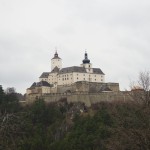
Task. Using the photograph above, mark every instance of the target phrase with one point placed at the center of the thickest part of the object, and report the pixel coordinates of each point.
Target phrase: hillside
(63, 126)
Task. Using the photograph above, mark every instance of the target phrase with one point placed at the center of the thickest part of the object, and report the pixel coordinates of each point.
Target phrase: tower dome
(86, 60)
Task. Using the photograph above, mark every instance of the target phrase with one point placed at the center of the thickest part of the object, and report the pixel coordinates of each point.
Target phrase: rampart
(83, 86)
(87, 98)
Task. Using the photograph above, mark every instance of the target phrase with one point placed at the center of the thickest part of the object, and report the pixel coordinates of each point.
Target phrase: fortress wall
(53, 90)
(47, 97)
(83, 86)
(113, 86)
(87, 98)
(109, 97)
(31, 98)
(63, 89)
(84, 98)
(54, 98)
(96, 86)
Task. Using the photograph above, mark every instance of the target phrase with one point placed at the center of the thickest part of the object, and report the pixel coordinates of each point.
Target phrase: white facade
(88, 67)
(70, 75)
(52, 78)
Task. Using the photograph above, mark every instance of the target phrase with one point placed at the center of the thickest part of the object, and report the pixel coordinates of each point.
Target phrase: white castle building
(69, 75)
(61, 77)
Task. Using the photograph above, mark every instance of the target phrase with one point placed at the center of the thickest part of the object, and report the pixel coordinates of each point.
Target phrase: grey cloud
(115, 33)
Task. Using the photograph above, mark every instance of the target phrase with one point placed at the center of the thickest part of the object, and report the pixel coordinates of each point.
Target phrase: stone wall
(81, 86)
(84, 97)
(63, 89)
(90, 87)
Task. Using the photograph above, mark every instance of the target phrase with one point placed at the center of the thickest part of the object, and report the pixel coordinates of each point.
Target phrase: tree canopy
(72, 126)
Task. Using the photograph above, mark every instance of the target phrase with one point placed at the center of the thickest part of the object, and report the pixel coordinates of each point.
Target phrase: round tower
(56, 61)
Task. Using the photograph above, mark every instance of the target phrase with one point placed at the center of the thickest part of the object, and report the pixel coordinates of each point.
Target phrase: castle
(83, 78)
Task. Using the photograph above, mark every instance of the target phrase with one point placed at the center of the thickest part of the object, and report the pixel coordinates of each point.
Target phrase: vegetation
(63, 126)
(141, 89)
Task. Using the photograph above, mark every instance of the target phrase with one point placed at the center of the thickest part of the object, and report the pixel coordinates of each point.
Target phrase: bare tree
(140, 90)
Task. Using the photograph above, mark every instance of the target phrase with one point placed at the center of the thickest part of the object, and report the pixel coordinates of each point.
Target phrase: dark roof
(43, 83)
(44, 75)
(39, 84)
(79, 69)
(55, 70)
(33, 85)
(86, 60)
(97, 71)
(56, 56)
(72, 69)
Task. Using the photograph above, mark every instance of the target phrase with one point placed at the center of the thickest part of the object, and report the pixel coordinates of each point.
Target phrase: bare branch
(140, 90)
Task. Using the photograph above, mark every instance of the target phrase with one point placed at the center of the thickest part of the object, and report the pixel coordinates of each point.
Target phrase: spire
(86, 60)
(56, 55)
(86, 55)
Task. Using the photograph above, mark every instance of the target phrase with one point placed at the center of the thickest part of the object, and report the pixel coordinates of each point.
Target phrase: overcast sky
(115, 33)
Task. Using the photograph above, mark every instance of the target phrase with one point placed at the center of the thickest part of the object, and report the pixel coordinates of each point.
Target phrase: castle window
(77, 78)
(95, 79)
(89, 65)
(84, 78)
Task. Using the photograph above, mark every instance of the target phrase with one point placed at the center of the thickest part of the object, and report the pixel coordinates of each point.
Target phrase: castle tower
(86, 63)
(56, 61)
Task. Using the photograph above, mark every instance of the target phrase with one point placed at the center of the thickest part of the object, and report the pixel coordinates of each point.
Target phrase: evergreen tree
(9, 103)
(2, 94)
